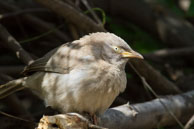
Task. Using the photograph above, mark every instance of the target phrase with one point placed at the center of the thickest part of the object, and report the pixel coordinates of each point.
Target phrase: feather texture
(85, 75)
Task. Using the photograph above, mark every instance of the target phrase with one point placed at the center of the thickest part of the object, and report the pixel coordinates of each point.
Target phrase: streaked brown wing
(41, 64)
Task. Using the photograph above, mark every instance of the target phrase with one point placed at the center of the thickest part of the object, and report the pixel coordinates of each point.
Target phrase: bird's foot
(94, 119)
(134, 112)
(91, 117)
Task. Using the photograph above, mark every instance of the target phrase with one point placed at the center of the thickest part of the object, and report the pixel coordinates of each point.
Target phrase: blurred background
(161, 30)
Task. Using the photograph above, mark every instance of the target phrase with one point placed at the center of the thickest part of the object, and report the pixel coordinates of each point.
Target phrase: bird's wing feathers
(54, 61)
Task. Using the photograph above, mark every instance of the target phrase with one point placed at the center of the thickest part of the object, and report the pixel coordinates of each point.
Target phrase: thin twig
(15, 117)
(85, 2)
(72, 15)
(146, 85)
(158, 82)
(190, 123)
(42, 35)
(14, 45)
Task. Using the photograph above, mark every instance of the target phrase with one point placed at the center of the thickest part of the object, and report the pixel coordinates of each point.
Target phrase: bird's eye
(117, 49)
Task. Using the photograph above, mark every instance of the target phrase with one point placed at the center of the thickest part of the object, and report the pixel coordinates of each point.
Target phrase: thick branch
(150, 114)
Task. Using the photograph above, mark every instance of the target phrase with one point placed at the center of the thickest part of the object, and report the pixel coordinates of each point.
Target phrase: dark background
(161, 30)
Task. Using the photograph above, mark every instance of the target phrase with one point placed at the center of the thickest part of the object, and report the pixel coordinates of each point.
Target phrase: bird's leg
(91, 117)
(94, 119)
(134, 112)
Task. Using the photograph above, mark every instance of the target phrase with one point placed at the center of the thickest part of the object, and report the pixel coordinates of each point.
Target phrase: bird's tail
(11, 87)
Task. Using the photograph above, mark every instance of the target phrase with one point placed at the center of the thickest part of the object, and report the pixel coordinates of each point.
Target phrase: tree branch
(13, 44)
(158, 82)
(38, 23)
(72, 15)
(150, 114)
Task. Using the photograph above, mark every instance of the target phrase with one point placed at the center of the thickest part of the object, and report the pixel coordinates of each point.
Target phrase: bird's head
(112, 48)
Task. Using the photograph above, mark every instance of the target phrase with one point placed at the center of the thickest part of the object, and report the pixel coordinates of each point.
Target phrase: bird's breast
(87, 89)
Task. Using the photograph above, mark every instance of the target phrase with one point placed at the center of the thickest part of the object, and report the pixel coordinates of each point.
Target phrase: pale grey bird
(85, 75)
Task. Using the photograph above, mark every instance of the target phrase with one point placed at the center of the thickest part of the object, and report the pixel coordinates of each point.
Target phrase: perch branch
(66, 121)
(150, 114)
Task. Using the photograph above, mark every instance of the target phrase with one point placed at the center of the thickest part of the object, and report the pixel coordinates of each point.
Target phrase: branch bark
(150, 114)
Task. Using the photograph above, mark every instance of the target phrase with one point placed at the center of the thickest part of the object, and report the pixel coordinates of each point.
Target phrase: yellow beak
(132, 54)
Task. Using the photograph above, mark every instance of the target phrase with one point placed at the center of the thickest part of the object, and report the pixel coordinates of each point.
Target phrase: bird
(85, 75)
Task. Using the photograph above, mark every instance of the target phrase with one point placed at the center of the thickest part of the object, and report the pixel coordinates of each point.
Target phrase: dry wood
(190, 123)
(66, 121)
(150, 114)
